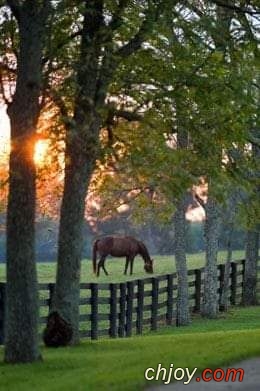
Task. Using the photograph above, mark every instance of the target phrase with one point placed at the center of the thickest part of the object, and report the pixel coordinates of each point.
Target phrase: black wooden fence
(123, 309)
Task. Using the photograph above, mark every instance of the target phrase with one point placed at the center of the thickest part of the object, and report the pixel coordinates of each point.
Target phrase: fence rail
(127, 308)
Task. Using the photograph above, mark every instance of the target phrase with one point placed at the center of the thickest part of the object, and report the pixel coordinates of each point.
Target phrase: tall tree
(212, 225)
(251, 262)
(183, 312)
(100, 56)
(252, 238)
(212, 207)
(21, 327)
(180, 229)
(229, 213)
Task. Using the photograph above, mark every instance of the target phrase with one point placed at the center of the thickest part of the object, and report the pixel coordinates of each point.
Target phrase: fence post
(2, 311)
(113, 310)
(122, 311)
(129, 308)
(140, 307)
(154, 312)
(94, 310)
(51, 295)
(243, 275)
(169, 313)
(233, 287)
(221, 269)
(198, 281)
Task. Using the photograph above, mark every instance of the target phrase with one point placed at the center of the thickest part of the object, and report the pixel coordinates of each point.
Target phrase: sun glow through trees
(4, 136)
(41, 148)
(51, 175)
(41, 155)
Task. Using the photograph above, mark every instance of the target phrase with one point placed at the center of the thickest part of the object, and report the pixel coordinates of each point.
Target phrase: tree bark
(224, 298)
(212, 223)
(78, 172)
(252, 241)
(183, 312)
(229, 214)
(21, 326)
(250, 277)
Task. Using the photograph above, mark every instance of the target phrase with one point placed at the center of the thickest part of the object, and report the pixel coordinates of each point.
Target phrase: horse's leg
(98, 268)
(131, 264)
(126, 264)
(102, 264)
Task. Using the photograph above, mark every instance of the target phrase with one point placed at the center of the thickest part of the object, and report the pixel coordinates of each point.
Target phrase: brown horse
(120, 246)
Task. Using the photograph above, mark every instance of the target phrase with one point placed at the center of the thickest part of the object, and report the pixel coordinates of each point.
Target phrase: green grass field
(115, 267)
(119, 364)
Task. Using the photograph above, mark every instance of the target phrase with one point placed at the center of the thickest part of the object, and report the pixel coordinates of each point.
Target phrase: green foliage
(185, 78)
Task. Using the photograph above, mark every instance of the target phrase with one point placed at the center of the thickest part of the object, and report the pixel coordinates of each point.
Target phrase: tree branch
(46, 9)
(117, 20)
(199, 200)
(194, 8)
(15, 7)
(128, 115)
(253, 140)
(59, 102)
(2, 90)
(244, 10)
(61, 44)
(151, 16)
(5, 68)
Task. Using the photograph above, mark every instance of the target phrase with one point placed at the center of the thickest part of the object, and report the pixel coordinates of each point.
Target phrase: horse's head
(148, 266)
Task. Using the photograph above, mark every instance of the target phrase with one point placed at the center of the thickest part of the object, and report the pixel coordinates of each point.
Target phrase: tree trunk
(21, 327)
(82, 144)
(212, 223)
(252, 239)
(224, 298)
(183, 312)
(78, 172)
(229, 214)
(250, 277)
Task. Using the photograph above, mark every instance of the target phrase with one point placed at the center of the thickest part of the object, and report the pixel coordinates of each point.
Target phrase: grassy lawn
(115, 267)
(119, 364)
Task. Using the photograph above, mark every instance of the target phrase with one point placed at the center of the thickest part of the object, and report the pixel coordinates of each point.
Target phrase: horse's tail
(94, 256)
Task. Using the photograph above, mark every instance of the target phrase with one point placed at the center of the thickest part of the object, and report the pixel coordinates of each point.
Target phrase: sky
(4, 132)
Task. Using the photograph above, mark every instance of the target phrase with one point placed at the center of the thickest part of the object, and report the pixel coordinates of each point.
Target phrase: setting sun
(41, 152)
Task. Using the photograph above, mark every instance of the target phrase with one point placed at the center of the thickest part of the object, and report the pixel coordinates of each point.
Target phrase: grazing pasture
(115, 267)
(134, 307)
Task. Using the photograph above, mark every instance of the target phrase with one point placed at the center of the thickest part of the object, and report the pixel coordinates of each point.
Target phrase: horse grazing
(120, 246)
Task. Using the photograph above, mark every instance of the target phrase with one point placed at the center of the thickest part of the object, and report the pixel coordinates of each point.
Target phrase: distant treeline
(159, 238)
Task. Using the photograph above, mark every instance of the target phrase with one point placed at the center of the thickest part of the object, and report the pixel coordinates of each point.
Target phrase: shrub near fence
(123, 309)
